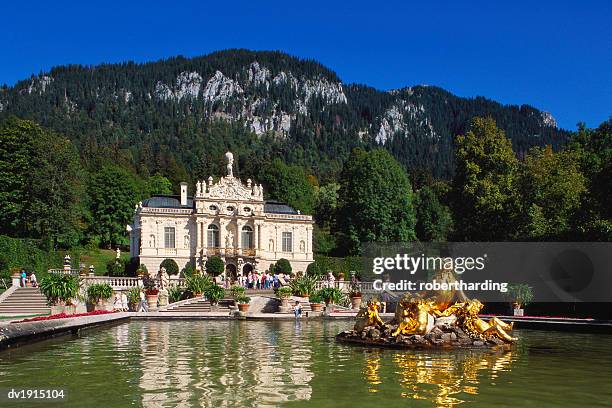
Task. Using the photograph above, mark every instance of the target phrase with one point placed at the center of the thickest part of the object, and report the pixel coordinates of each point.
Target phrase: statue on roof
(230, 163)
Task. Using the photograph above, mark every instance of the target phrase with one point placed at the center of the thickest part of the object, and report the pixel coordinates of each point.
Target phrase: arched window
(247, 237)
(213, 236)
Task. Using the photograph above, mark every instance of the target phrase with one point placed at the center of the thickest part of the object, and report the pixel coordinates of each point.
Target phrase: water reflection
(265, 364)
(222, 365)
(443, 378)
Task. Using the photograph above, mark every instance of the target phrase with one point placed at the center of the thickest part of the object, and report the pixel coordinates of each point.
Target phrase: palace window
(213, 236)
(247, 237)
(169, 237)
(287, 242)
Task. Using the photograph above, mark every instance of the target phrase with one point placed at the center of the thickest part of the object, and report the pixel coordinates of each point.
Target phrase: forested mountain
(177, 116)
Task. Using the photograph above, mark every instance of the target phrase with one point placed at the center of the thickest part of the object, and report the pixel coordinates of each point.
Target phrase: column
(222, 226)
(239, 225)
(256, 237)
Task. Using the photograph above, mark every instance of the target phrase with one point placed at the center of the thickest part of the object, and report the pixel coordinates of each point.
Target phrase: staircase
(24, 301)
(198, 305)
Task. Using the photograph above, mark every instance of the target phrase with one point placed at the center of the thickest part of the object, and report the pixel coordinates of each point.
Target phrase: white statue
(164, 279)
(230, 163)
(229, 240)
(198, 189)
(118, 253)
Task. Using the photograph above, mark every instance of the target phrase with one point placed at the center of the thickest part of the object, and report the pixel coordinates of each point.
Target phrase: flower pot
(101, 305)
(355, 302)
(65, 309)
(519, 312)
(133, 307)
(316, 307)
(285, 301)
(152, 301)
(243, 307)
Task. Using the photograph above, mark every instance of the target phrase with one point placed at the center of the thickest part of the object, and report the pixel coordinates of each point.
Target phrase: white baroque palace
(228, 219)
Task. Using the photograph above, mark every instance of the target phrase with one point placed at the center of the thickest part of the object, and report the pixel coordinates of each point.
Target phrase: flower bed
(64, 316)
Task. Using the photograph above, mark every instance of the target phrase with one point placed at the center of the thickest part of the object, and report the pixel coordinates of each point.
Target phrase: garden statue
(420, 323)
(417, 316)
(473, 325)
(164, 283)
(368, 316)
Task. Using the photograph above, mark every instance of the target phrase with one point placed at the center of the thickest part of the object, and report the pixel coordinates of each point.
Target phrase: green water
(258, 364)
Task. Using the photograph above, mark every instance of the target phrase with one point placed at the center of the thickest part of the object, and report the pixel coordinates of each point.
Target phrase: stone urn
(355, 302)
(65, 309)
(316, 307)
(163, 297)
(284, 301)
(152, 297)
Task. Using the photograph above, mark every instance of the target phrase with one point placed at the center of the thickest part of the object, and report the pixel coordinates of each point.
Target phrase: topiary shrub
(214, 266)
(188, 270)
(170, 265)
(115, 267)
(282, 266)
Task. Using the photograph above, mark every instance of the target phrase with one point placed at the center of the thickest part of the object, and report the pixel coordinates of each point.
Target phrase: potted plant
(133, 296)
(214, 293)
(98, 294)
(522, 295)
(355, 294)
(303, 286)
(315, 301)
(151, 292)
(331, 295)
(236, 291)
(243, 302)
(284, 293)
(60, 290)
(142, 271)
(197, 284)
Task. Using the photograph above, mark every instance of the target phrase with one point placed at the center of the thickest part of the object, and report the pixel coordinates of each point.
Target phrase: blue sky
(554, 55)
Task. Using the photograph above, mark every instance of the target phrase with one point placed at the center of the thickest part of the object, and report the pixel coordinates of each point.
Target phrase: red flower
(64, 316)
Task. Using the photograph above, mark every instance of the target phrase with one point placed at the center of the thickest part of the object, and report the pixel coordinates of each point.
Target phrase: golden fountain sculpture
(421, 322)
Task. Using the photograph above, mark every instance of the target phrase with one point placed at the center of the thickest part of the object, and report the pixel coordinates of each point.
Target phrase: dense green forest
(80, 146)
(163, 117)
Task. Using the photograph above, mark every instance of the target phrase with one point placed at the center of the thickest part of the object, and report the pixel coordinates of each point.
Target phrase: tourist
(297, 309)
(33, 280)
(143, 306)
(117, 302)
(276, 281)
(270, 281)
(124, 302)
(24, 278)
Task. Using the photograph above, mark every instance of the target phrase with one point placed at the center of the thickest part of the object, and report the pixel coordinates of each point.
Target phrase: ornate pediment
(231, 188)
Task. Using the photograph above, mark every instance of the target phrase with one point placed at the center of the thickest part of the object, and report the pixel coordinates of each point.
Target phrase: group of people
(31, 279)
(120, 303)
(255, 280)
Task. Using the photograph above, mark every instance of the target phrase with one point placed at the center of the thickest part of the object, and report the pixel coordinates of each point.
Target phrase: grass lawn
(99, 258)
(20, 317)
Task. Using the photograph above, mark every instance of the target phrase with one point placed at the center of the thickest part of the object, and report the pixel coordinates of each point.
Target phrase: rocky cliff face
(270, 93)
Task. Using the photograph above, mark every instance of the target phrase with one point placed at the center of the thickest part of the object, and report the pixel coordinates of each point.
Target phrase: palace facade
(228, 219)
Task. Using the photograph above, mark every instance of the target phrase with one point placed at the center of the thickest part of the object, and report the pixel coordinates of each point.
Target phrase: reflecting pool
(259, 364)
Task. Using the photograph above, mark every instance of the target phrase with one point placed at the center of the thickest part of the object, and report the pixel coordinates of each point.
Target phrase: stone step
(200, 305)
(25, 301)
